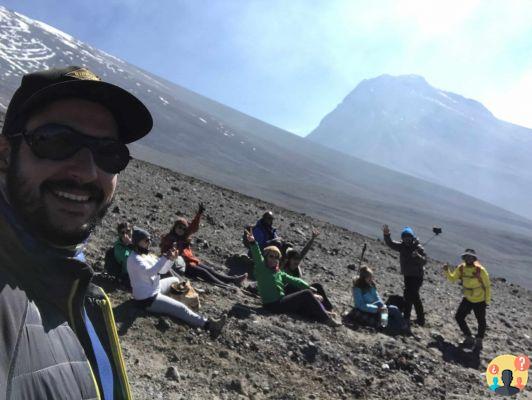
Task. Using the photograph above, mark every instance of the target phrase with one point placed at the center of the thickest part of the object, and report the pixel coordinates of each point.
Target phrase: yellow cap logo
(83, 74)
(507, 374)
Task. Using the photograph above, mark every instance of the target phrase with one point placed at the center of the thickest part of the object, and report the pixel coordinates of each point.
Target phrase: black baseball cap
(42, 87)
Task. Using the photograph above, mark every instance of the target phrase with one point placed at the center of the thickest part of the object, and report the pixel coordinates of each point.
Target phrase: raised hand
(315, 233)
(201, 208)
(385, 230)
(249, 235)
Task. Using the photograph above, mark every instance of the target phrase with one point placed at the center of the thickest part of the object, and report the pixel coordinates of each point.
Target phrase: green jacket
(121, 254)
(269, 282)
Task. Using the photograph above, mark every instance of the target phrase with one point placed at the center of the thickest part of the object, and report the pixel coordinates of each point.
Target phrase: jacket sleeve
(121, 253)
(420, 255)
(307, 247)
(193, 227)
(256, 254)
(153, 270)
(361, 304)
(297, 282)
(391, 243)
(484, 276)
(453, 276)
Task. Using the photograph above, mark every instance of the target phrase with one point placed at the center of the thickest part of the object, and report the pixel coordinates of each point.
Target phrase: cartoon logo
(507, 374)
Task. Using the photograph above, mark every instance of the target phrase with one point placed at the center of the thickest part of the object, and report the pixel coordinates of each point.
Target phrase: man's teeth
(71, 196)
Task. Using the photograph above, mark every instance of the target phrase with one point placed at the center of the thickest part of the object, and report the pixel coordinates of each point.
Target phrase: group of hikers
(63, 144)
(277, 270)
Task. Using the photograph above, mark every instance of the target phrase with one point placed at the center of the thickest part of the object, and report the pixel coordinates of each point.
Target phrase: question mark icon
(522, 363)
(494, 369)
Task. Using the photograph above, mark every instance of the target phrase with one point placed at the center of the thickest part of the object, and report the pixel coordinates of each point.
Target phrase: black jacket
(45, 348)
(412, 257)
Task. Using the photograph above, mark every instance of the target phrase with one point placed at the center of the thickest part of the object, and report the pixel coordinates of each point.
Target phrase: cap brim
(133, 118)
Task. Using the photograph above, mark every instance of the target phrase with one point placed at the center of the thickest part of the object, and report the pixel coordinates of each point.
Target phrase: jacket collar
(57, 275)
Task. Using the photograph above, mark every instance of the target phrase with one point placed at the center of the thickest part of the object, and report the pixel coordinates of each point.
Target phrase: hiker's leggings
(289, 289)
(163, 304)
(208, 274)
(464, 309)
(411, 296)
(302, 303)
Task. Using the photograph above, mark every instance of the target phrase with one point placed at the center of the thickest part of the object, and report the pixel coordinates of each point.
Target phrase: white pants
(167, 305)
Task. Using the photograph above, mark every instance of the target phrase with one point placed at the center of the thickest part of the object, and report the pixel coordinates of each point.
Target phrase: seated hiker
(151, 292)
(475, 282)
(369, 305)
(291, 263)
(271, 282)
(122, 246)
(180, 238)
(264, 232)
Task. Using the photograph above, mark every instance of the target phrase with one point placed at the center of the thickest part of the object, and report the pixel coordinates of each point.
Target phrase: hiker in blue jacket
(264, 232)
(369, 304)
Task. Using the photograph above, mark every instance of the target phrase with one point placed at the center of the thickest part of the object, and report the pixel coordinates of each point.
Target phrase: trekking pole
(362, 255)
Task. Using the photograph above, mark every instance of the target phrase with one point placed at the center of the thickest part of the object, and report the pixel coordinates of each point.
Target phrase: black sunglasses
(59, 142)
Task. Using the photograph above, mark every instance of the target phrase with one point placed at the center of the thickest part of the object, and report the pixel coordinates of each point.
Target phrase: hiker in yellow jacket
(477, 295)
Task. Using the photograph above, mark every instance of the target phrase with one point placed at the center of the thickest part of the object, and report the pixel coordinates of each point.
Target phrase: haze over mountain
(199, 137)
(405, 124)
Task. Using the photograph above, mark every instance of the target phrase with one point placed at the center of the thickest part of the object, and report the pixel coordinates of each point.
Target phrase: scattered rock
(159, 195)
(173, 374)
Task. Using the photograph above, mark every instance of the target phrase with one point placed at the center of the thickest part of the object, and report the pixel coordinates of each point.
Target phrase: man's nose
(82, 167)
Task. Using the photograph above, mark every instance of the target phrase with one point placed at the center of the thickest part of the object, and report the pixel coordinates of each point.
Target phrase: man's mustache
(95, 193)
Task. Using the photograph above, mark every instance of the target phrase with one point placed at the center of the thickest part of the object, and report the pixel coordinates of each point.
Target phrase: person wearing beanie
(180, 237)
(151, 292)
(476, 287)
(271, 283)
(412, 259)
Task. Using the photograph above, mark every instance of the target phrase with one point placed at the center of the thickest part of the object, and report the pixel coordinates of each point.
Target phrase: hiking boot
(215, 326)
(333, 323)
(469, 341)
(420, 321)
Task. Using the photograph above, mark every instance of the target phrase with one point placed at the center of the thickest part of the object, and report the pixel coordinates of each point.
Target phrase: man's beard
(31, 209)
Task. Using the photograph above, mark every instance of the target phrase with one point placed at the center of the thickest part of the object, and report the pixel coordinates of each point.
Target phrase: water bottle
(384, 318)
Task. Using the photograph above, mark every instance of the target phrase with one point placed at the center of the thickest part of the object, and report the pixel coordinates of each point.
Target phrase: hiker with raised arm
(151, 292)
(63, 145)
(271, 282)
(291, 263)
(412, 259)
(476, 286)
(180, 237)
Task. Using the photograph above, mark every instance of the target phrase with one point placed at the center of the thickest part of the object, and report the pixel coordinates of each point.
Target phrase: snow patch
(163, 100)
(202, 120)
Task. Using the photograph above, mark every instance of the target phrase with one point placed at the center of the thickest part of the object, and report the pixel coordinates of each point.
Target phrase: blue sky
(291, 62)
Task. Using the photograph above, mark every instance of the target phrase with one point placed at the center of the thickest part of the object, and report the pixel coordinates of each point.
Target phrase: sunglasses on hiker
(58, 142)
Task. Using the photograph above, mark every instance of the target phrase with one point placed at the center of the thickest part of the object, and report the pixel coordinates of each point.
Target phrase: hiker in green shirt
(122, 247)
(271, 282)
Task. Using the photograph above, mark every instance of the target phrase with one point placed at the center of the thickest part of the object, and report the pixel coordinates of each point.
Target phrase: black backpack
(111, 266)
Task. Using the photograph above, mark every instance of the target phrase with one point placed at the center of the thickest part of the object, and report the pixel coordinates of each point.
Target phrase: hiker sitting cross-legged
(369, 306)
(151, 292)
(477, 294)
(264, 232)
(271, 282)
(291, 264)
(180, 238)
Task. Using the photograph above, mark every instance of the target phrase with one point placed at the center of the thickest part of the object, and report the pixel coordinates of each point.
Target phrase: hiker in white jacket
(150, 291)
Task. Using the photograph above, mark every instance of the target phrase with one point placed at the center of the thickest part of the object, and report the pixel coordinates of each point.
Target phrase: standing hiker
(412, 258)
(477, 295)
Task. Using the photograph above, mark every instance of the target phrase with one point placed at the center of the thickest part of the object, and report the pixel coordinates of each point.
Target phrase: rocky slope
(261, 356)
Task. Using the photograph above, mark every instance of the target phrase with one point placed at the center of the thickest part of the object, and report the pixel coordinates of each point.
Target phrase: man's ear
(5, 153)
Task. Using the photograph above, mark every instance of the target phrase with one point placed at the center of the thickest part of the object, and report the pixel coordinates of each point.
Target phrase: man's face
(268, 220)
(62, 201)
